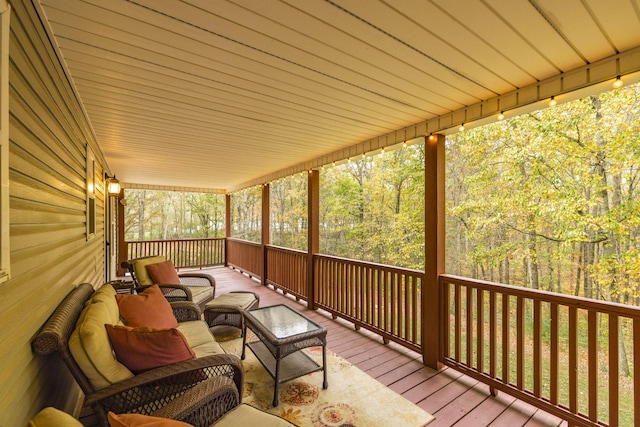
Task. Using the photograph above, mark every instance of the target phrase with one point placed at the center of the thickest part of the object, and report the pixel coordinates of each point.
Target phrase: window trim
(5, 15)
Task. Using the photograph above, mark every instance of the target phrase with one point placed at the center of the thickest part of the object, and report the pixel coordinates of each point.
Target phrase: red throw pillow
(149, 309)
(139, 420)
(141, 349)
(163, 273)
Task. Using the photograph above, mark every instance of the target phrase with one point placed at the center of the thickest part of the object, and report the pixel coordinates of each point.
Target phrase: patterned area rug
(352, 399)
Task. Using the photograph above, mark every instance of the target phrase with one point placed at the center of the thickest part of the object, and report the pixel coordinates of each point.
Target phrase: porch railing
(245, 256)
(560, 353)
(185, 253)
(557, 352)
(287, 271)
(380, 298)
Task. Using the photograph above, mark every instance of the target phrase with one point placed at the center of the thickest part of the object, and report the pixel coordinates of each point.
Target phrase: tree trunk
(141, 216)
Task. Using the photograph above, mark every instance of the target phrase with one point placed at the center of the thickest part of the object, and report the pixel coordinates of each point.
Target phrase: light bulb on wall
(461, 128)
(501, 115)
(553, 102)
(113, 185)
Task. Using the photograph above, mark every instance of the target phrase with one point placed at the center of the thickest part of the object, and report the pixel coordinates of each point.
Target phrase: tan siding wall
(49, 250)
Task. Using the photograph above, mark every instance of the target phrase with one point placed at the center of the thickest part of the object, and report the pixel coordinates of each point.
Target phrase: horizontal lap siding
(49, 250)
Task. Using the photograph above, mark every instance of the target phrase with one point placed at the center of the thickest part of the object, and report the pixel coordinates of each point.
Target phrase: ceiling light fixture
(618, 82)
(553, 102)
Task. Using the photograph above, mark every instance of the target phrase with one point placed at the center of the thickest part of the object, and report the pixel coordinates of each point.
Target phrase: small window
(5, 10)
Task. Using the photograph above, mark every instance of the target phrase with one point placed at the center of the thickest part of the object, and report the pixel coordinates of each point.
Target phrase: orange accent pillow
(163, 273)
(149, 309)
(141, 349)
(139, 420)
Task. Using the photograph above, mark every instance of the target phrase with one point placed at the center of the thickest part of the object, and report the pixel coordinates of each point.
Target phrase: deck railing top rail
(546, 296)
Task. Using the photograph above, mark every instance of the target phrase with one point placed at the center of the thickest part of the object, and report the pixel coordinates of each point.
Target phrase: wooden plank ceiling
(217, 93)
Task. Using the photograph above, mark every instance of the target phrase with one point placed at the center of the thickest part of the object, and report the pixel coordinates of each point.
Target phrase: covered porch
(234, 94)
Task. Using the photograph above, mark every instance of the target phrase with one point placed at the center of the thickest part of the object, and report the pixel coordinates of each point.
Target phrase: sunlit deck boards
(453, 398)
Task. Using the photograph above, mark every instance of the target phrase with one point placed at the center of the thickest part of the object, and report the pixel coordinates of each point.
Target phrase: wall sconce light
(553, 102)
(501, 115)
(113, 185)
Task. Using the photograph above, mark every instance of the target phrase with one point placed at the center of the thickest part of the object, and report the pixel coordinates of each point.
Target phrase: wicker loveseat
(76, 331)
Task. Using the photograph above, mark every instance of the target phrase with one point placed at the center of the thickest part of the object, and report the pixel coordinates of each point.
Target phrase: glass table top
(282, 321)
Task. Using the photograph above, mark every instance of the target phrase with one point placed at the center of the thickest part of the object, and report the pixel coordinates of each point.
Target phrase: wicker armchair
(146, 392)
(197, 287)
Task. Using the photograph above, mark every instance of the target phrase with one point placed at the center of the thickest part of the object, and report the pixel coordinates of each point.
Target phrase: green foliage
(168, 215)
(372, 209)
(288, 210)
(246, 214)
(550, 199)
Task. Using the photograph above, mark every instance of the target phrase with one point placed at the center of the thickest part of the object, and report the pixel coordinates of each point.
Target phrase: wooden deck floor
(454, 399)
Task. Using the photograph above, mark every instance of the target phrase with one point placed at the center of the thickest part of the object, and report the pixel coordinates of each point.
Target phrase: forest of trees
(549, 200)
(546, 200)
(170, 215)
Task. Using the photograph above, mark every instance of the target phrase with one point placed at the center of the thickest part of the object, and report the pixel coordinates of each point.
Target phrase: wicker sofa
(76, 331)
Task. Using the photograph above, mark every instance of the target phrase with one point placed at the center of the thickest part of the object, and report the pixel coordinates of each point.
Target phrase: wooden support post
(266, 231)
(313, 245)
(434, 226)
(122, 244)
(227, 227)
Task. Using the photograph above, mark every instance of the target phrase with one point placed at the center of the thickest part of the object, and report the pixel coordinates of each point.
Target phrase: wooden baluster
(506, 351)
(445, 309)
(492, 339)
(592, 334)
(457, 324)
(537, 348)
(480, 330)
(614, 367)
(553, 364)
(469, 320)
(636, 374)
(573, 360)
(520, 342)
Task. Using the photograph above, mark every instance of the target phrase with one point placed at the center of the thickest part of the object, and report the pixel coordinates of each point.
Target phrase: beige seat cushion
(200, 338)
(246, 415)
(89, 343)
(140, 269)
(201, 293)
(233, 299)
(52, 417)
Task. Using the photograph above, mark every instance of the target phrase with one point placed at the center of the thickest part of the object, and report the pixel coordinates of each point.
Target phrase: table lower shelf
(292, 366)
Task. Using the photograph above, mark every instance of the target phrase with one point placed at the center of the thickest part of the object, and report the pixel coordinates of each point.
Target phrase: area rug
(353, 398)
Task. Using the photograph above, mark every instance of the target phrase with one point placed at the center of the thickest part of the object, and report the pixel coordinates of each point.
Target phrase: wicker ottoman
(228, 309)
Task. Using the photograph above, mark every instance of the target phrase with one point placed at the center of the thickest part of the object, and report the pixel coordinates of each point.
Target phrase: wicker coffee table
(283, 332)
